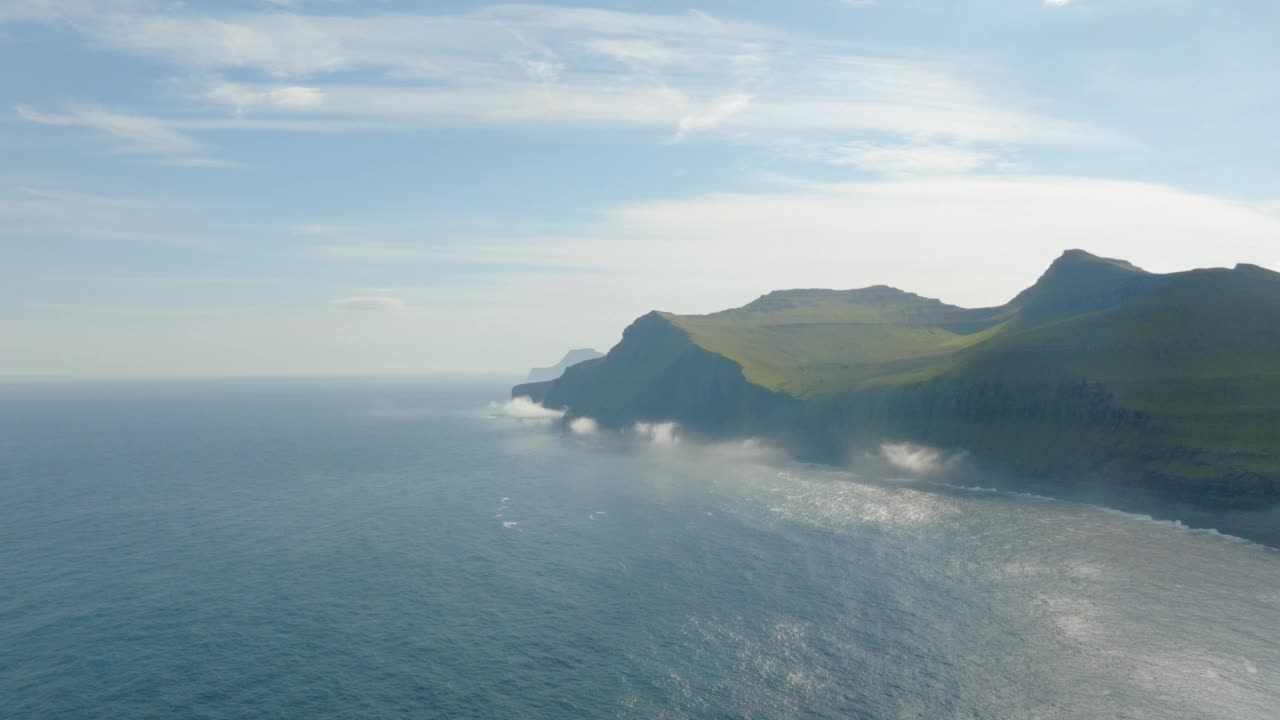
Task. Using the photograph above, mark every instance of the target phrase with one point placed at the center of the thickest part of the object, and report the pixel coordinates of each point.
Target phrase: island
(1103, 383)
(571, 358)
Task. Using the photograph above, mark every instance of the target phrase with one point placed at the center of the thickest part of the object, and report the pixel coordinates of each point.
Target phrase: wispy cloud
(514, 255)
(909, 160)
(134, 134)
(295, 97)
(713, 116)
(325, 230)
(51, 10)
(374, 303)
(677, 74)
(33, 208)
(287, 45)
(1057, 3)
(635, 52)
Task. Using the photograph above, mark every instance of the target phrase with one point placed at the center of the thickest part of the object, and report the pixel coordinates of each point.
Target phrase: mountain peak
(1079, 281)
(1083, 258)
(1252, 269)
(873, 296)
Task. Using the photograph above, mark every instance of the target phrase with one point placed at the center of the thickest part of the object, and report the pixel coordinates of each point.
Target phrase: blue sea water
(404, 549)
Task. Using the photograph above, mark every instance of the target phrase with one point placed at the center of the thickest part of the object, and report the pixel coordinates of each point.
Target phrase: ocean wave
(998, 491)
(1176, 524)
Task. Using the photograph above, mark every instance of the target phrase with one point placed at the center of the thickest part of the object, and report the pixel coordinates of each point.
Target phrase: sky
(296, 187)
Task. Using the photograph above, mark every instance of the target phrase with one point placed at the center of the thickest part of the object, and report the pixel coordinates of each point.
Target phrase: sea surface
(406, 549)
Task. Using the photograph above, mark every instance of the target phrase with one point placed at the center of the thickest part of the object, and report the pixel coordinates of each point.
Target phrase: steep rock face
(535, 391)
(657, 374)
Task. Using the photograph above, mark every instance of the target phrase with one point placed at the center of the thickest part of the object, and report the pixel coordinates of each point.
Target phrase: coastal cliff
(1102, 382)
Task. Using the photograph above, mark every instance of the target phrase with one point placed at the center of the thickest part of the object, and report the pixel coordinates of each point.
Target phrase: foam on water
(1175, 524)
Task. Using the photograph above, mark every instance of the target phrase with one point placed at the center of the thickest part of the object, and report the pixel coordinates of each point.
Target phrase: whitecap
(1175, 524)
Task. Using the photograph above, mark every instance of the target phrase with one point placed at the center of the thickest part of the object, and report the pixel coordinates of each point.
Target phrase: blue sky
(265, 188)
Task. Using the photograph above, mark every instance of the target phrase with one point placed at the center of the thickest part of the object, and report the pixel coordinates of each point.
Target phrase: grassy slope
(815, 343)
(1156, 393)
(820, 343)
(658, 373)
(1098, 365)
(1199, 353)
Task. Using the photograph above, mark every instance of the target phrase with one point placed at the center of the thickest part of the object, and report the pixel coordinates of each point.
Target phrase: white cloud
(1057, 3)
(909, 160)
(134, 134)
(1271, 207)
(538, 61)
(676, 73)
(969, 241)
(622, 103)
(912, 458)
(713, 116)
(966, 240)
(288, 45)
(379, 303)
(524, 408)
(289, 97)
(540, 69)
(632, 52)
(664, 434)
(278, 44)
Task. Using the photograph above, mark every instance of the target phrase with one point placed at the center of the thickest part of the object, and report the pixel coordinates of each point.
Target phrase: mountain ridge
(1156, 392)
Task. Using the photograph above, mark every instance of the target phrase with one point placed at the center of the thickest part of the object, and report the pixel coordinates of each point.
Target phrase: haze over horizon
(268, 188)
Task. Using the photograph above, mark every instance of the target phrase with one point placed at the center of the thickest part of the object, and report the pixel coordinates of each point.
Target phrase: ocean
(417, 549)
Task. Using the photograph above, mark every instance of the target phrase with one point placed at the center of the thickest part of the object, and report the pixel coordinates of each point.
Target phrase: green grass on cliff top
(1087, 317)
(811, 343)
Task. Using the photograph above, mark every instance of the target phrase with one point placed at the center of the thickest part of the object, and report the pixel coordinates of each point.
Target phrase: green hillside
(1099, 379)
(819, 343)
(816, 343)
